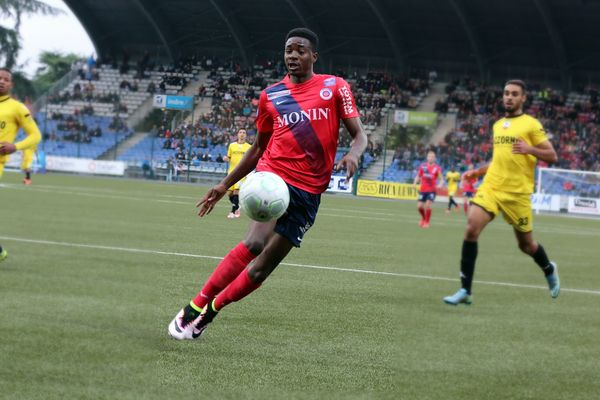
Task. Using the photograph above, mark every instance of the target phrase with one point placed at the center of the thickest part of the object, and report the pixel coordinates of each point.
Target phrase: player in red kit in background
(468, 186)
(298, 126)
(429, 175)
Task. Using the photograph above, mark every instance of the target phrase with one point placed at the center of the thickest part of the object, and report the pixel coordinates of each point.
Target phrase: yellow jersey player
(13, 115)
(452, 179)
(519, 141)
(235, 153)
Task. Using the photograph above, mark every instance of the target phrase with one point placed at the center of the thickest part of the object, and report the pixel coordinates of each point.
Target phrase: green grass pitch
(98, 267)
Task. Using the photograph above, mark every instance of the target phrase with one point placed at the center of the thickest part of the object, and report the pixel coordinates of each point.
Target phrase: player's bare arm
(246, 165)
(476, 173)
(543, 151)
(359, 143)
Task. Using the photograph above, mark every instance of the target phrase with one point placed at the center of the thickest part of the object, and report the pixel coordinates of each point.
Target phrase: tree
(10, 37)
(23, 87)
(9, 45)
(54, 66)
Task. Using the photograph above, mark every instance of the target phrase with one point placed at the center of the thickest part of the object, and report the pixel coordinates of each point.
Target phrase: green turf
(90, 323)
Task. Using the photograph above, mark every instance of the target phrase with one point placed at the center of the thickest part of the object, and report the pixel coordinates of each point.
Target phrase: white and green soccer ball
(264, 196)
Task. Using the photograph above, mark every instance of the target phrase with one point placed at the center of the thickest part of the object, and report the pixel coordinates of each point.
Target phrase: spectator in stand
(90, 68)
(180, 156)
(151, 88)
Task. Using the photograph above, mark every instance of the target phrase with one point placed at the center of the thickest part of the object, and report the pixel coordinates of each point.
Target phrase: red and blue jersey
(305, 121)
(469, 184)
(429, 175)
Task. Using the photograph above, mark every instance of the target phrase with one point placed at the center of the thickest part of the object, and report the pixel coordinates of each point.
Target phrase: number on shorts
(523, 221)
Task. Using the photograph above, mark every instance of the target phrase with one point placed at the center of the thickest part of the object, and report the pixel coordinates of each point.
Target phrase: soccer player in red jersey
(429, 175)
(298, 125)
(468, 186)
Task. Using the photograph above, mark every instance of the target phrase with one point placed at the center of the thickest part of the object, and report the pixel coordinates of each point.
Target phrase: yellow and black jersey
(508, 172)
(235, 153)
(13, 116)
(452, 178)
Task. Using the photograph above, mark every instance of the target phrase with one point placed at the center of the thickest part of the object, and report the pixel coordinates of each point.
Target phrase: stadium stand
(79, 135)
(234, 93)
(571, 120)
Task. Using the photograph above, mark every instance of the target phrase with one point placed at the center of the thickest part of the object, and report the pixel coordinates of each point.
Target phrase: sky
(62, 33)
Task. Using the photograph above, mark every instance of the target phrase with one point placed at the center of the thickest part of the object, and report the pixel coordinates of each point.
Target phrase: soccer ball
(264, 196)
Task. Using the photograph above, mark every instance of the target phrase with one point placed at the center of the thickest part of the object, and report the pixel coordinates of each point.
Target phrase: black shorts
(425, 196)
(300, 215)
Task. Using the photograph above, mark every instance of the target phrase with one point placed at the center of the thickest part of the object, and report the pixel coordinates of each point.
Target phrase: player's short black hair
(517, 82)
(6, 70)
(306, 34)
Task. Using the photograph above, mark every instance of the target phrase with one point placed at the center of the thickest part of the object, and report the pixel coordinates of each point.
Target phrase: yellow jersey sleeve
(25, 121)
(537, 134)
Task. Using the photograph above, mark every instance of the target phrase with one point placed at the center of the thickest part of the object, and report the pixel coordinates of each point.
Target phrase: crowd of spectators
(234, 93)
(571, 121)
(72, 128)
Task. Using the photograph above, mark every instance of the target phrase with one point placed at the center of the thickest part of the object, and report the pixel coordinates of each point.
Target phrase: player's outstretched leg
(247, 281)
(467, 270)
(235, 262)
(529, 246)
(478, 219)
(191, 323)
(241, 287)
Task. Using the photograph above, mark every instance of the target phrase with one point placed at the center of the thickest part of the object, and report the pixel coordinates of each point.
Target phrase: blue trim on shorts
(469, 195)
(300, 215)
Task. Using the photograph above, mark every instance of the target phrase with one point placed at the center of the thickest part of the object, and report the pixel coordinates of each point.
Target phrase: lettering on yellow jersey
(2, 124)
(505, 139)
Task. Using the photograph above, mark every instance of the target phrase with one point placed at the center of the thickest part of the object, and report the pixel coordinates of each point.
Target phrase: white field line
(324, 211)
(320, 267)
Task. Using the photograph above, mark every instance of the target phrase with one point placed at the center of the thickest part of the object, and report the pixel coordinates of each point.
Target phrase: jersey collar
(4, 98)
(287, 80)
(513, 116)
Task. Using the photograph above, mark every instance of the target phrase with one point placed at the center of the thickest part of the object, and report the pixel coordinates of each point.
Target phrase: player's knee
(527, 247)
(254, 246)
(472, 232)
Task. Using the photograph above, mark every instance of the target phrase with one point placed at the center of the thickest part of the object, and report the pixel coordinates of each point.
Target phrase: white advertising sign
(338, 184)
(85, 166)
(584, 205)
(545, 202)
